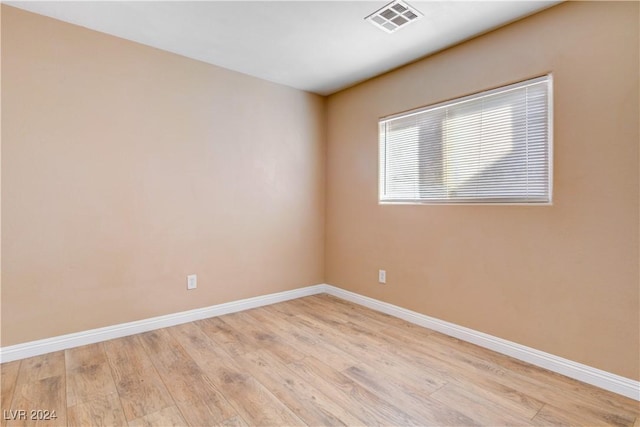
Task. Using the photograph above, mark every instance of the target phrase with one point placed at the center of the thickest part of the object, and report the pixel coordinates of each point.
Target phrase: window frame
(548, 77)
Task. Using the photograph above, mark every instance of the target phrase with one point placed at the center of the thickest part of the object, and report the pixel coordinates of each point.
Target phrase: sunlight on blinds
(492, 147)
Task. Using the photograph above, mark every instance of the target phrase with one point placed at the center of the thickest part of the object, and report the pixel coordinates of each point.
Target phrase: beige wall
(125, 168)
(562, 279)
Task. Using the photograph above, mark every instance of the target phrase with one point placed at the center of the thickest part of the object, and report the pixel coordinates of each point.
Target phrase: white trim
(599, 378)
(578, 371)
(63, 342)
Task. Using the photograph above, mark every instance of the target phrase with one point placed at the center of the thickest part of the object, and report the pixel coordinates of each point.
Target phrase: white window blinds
(491, 147)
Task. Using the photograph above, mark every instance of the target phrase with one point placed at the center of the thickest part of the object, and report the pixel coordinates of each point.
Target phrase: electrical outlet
(382, 276)
(192, 281)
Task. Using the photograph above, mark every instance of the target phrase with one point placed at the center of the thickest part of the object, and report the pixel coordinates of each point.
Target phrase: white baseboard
(63, 342)
(578, 371)
(599, 378)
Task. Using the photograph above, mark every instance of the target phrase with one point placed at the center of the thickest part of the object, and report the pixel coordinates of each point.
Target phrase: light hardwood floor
(313, 361)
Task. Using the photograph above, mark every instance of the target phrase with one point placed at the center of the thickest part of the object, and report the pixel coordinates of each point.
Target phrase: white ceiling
(317, 46)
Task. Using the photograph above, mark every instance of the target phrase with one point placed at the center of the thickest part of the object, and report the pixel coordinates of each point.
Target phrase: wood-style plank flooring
(313, 361)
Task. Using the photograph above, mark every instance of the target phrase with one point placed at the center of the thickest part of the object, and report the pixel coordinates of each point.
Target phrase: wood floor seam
(163, 381)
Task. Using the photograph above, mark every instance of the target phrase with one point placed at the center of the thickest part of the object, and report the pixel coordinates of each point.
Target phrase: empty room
(278, 213)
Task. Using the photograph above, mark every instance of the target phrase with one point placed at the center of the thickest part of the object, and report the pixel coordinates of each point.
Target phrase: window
(491, 147)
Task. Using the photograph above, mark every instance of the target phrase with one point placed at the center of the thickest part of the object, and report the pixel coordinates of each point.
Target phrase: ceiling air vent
(394, 16)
